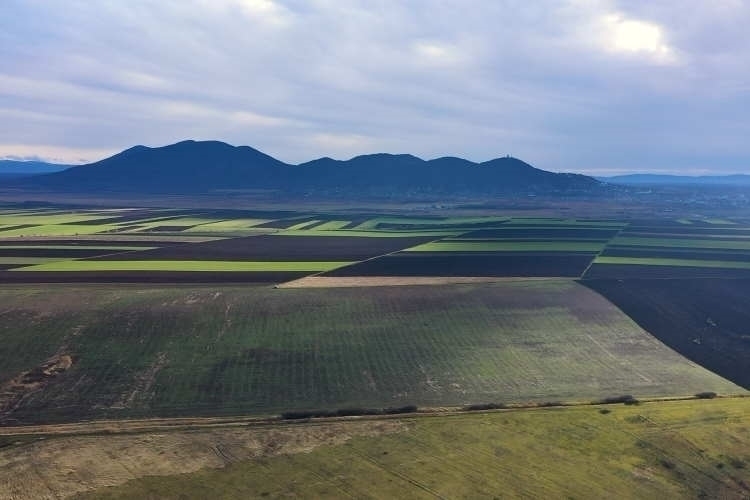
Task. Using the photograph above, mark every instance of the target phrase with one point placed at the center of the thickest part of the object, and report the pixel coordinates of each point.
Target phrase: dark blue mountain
(193, 167)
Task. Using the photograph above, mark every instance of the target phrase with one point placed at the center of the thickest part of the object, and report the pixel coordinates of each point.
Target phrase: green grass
(183, 265)
(509, 246)
(735, 244)
(682, 449)
(257, 350)
(654, 261)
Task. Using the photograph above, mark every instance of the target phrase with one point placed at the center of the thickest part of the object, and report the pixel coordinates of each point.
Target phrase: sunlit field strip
(303, 225)
(647, 261)
(59, 230)
(509, 246)
(28, 261)
(183, 265)
(681, 242)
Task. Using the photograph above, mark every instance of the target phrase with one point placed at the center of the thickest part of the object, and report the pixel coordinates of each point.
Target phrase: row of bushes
(347, 412)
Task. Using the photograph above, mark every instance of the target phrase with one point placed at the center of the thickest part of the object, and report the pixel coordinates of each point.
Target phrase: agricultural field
(73, 353)
(707, 320)
(677, 449)
(232, 322)
(670, 249)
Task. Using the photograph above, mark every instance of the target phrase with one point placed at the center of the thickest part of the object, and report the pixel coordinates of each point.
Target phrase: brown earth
(61, 467)
(14, 391)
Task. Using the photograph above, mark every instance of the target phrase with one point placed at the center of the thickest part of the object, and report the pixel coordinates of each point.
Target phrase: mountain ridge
(200, 166)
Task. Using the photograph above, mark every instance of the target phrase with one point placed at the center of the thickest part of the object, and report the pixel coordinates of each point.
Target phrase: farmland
(679, 449)
(122, 319)
(192, 351)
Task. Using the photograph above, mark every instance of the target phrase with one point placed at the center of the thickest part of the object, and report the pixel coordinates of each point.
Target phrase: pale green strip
(183, 265)
(58, 230)
(648, 261)
(28, 261)
(332, 225)
(509, 246)
(302, 225)
(682, 243)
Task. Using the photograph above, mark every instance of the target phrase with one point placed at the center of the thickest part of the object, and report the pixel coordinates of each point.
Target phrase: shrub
(706, 395)
(626, 399)
(485, 406)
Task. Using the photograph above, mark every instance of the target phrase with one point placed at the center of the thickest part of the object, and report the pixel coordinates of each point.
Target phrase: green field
(141, 351)
(684, 449)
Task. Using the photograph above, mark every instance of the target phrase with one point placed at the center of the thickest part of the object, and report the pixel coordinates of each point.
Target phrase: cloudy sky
(594, 86)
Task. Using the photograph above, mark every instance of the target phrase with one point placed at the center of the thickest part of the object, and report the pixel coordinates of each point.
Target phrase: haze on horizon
(592, 86)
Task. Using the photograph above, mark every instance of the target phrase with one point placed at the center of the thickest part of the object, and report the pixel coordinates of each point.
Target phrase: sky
(592, 86)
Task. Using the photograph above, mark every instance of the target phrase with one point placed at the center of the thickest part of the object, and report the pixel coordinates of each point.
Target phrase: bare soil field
(281, 248)
(706, 320)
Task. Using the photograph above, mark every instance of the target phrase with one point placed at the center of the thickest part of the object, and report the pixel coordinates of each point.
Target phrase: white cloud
(636, 36)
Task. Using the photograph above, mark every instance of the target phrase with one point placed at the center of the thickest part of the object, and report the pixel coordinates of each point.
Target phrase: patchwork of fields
(142, 313)
(151, 245)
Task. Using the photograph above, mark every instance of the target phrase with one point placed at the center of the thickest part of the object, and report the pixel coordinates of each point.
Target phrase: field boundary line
(604, 248)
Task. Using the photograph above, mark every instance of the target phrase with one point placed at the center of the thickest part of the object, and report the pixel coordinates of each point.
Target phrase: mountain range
(210, 166)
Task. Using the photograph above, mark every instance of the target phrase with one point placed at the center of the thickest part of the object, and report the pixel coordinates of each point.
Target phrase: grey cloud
(300, 80)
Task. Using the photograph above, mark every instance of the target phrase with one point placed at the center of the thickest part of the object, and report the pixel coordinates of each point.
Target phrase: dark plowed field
(677, 253)
(12, 277)
(144, 242)
(549, 233)
(437, 225)
(72, 253)
(734, 236)
(635, 271)
(469, 264)
(281, 248)
(706, 320)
